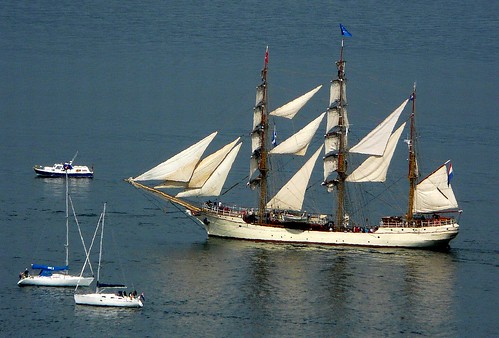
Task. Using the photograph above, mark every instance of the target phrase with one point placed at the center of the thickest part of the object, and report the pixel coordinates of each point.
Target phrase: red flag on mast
(267, 56)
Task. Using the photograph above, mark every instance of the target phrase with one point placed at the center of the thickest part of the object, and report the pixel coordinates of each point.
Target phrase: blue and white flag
(344, 31)
(450, 174)
(67, 166)
(274, 138)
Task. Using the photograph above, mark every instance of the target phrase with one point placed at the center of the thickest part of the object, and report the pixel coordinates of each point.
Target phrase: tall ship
(431, 219)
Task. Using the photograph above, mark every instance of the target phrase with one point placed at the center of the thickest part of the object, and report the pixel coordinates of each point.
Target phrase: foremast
(259, 142)
(413, 172)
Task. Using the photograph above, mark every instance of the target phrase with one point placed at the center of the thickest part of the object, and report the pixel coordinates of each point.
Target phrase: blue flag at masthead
(344, 31)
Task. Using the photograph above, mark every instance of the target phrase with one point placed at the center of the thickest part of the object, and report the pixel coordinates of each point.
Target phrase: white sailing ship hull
(230, 226)
(57, 279)
(107, 299)
(423, 226)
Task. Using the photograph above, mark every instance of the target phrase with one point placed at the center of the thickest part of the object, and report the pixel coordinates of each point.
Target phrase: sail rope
(155, 200)
(40, 237)
(245, 179)
(79, 231)
(87, 257)
(176, 206)
(377, 197)
(118, 254)
(159, 203)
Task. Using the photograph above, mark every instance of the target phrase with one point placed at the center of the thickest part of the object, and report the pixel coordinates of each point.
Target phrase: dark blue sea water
(128, 84)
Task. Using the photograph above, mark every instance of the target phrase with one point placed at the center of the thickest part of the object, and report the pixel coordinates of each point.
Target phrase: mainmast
(259, 142)
(413, 174)
(336, 135)
(341, 171)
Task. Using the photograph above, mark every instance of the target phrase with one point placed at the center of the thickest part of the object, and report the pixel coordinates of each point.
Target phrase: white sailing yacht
(281, 218)
(57, 275)
(99, 297)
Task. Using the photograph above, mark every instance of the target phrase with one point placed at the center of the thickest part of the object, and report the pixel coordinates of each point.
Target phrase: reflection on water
(56, 186)
(400, 291)
(96, 312)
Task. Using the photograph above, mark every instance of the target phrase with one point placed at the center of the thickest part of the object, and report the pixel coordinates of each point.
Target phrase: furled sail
(203, 170)
(333, 118)
(374, 168)
(434, 193)
(181, 166)
(290, 109)
(299, 142)
(256, 140)
(336, 112)
(213, 186)
(375, 142)
(291, 195)
(330, 165)
(337, 88)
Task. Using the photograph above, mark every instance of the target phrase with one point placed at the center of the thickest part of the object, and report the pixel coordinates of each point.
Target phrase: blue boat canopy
(47, 270)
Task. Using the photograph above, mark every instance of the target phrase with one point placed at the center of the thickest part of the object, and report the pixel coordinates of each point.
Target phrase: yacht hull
(55, 279)
(107, 299)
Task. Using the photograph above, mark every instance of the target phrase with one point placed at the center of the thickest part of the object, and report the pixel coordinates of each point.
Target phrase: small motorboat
(63, 169)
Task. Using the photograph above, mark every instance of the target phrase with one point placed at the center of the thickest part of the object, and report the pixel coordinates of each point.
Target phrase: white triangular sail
(203, 170)
(434, 193)
(181, 166)
(374, 168)
(291, 196)
(299, 142)
(375, 142)
(214, 184)
(290, 109)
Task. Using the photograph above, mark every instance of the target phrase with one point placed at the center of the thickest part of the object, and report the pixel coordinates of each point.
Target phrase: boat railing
(225, 210)
(419, 223)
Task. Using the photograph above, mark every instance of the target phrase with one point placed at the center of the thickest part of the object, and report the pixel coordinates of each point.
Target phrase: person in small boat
(24, 274)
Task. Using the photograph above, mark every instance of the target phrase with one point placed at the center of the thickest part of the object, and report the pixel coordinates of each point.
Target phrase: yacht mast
(67, 217)
(100, 246)
(413, 174)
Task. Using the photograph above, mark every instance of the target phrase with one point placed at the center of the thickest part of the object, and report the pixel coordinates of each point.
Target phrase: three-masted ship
(430, 220)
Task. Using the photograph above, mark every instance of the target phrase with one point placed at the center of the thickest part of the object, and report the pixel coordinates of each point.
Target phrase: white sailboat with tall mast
(428, 222)
(99, 297)
(57, 275)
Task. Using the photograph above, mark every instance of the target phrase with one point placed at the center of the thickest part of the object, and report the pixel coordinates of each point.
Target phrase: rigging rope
(158, 202)
(79, 231)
